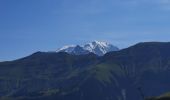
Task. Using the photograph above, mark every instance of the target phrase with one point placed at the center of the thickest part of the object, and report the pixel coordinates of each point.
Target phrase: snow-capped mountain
(100, 48)
(96, 47)
(68, 48)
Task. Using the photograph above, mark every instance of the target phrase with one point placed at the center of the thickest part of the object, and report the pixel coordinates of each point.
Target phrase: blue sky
(27, 26)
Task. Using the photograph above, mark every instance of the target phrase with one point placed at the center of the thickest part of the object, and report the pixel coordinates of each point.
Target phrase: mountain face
(96, 47)
(134, 73)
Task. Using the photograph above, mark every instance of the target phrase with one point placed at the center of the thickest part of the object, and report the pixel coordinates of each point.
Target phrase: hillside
(140, 71)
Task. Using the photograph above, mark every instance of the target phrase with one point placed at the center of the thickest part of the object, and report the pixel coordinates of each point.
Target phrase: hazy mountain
(96, 47)
(140, 71)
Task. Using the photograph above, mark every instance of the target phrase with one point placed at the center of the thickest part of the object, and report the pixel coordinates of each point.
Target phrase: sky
(27, 26)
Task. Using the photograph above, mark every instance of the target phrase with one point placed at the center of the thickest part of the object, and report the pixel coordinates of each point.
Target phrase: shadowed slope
(116, 76)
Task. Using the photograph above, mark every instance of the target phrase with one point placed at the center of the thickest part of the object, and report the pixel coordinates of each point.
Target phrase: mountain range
(96, 47)
(138, 72)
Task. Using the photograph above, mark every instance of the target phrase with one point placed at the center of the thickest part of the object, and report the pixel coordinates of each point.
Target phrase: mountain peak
(67, 48)
(96, 47)
(95, 43)
(100, 42)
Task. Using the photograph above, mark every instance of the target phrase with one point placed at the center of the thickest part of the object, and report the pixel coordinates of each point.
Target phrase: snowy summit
(96, 47)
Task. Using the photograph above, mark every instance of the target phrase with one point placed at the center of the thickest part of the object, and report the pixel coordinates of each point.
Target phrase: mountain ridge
(128, 74)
